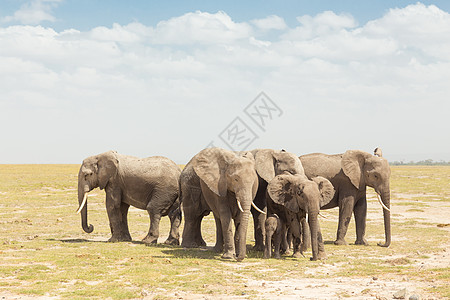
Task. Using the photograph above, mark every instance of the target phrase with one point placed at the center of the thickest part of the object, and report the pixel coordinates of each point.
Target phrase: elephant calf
(273, 231)
(148, 183)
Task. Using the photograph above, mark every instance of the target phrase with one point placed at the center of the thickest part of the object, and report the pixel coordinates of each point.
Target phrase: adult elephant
(291, 198)
(268, 164)
(225, 183)
(148, 183)
(350, 173)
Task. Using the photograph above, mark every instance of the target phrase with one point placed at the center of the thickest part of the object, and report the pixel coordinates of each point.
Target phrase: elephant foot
(186, 244)
(362, 241)
(228, 255)
(277, 255)
(340, 242)
(386, 244)
(298, 254)
(150, 240)
(240, 258)
(119, 238)
(218, 249)
(287, 252)
(322, 255)
(172, 241)
(258, 248)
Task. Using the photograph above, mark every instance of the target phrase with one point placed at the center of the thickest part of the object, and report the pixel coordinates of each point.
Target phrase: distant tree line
(427, 162)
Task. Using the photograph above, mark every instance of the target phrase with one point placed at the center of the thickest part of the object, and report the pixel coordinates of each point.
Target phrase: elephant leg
(321, 255)
(155, 218)
(227, 231)
(124, 211)
(360, 213)
(198, 238)
(153, 233)
(306, 236)
(295, 233)
(284, 245)
(113, 208)
(192, 236)
(158, 203)
(270, 227)
(259, 228)
(287, 248)
(346, 205)
(218, 247)
(175, 221)
(277, 241)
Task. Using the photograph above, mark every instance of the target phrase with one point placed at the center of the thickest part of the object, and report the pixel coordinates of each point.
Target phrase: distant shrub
(427, 162)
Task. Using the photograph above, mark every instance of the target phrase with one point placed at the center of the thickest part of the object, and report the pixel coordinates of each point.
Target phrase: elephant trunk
(82, 193)
(242, 231)
(386, 199)
(314, 227)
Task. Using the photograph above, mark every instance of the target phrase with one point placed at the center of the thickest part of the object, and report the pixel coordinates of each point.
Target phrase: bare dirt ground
(366, 287)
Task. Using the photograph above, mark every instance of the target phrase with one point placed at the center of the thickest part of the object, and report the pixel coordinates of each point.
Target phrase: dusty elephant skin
(292, 197)
(148, 183)
(350, 173)
(225, 183)
(268, 164)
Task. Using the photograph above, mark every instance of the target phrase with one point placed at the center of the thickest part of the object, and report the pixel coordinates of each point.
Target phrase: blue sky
(168, 78)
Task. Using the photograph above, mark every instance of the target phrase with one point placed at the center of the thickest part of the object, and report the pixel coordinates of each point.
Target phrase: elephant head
(364, 169)
(96, 171)
(296, 193)
(224, 171)
(270, 163)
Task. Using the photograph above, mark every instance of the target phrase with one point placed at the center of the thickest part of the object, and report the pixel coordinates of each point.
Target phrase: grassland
(44, 252)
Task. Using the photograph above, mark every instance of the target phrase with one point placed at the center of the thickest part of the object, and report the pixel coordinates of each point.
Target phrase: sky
(145, 78)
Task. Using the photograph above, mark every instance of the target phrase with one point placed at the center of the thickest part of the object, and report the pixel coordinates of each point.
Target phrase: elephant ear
(378, 152)
(326, 190)
(210, 167)
(107, 164)
(281, 190)
(264, 164)
(352, 164)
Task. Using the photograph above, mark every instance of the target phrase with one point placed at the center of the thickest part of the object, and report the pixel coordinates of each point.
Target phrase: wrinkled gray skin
(350, 173)
(268, 164)
(215, 180)
(148, 183)
(291, 197)
(273, 232)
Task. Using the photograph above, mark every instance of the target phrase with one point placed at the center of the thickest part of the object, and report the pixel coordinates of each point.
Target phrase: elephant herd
(283, 192)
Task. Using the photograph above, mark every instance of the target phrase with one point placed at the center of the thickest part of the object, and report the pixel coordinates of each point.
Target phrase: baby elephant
(273, 234)
(148, 183)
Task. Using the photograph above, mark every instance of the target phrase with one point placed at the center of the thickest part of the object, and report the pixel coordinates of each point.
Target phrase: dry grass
(43, 251)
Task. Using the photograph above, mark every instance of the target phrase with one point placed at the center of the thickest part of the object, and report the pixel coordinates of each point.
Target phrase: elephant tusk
(381, 202)
(322, 216)
(83, 203)
(239, 205)
(257, 208)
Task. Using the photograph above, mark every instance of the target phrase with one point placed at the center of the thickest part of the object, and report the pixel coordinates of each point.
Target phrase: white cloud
(270, 22)
(200, 27)
(171, 88)
(34, 12)
(323, 24)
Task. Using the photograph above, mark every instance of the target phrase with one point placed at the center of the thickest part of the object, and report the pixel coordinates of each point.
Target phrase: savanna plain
(45, 254)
